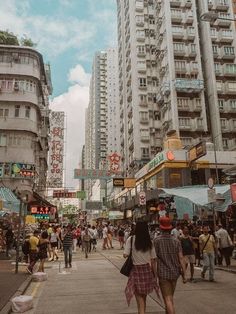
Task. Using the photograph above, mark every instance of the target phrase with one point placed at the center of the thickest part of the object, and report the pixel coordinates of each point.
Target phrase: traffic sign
(142, 198)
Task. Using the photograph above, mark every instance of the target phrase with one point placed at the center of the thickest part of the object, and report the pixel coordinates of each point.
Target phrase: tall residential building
(138, 81)
(102, 115)
(25, 85)
(176, 74)
(218, 41)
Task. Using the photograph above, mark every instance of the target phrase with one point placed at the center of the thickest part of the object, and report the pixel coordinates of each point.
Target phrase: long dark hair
(142, 238)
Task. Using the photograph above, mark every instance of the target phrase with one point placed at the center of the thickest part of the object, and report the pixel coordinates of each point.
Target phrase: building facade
(25, 85)
(176, 74)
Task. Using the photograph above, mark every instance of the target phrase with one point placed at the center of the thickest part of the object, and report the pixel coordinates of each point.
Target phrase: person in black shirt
(188, 250)
(67, 246)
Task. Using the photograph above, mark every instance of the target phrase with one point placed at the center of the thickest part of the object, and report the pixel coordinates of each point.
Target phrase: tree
(25, 41)
(8, 38)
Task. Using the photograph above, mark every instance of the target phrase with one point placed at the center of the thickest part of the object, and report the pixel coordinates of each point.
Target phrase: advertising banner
(56, 149)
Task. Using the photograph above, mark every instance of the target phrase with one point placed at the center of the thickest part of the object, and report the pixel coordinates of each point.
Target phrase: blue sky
(67, 33)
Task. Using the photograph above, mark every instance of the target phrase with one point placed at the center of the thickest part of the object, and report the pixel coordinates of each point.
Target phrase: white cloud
(73, 103)
(78, 74)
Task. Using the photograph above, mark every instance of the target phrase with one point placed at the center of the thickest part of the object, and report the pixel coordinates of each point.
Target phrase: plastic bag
(22, 303)
(39, 276)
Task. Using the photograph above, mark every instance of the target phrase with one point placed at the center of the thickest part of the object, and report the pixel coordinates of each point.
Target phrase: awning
(10, 201)
(188, 196)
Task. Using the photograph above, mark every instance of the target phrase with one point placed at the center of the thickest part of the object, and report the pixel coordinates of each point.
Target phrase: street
(95, 285)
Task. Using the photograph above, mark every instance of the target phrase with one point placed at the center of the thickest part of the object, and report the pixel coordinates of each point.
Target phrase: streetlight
(212, 16)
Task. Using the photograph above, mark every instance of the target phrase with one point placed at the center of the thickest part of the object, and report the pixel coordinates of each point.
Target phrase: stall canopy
(10, 201)
(188, 196)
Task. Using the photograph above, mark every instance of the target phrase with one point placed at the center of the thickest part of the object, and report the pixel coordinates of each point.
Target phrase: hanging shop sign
(17, 170)
(124, 182)
(92, 174)
(197, 151)
(92, 205)
(233, 192)
(46, 210)
(142, 198)
(56, 149)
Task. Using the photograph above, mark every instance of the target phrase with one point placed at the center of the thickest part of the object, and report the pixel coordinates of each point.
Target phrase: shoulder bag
(128, 264)
(201, 256)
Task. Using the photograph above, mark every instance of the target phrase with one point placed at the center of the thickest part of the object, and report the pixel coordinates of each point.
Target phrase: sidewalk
(231, 268)
(91, 286)
(9, 281)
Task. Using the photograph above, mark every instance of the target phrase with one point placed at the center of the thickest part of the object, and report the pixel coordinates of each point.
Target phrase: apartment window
(219, 85)
(141, 49)
(27, 111)
(213, 32)
(184, 121)
(139, 18)
(215, 49)
(140, 33)
(180, 65)
(4, 113)
(177, 29)
(229, 50)
(217, 67)
(225, 142)
(17, 111)
(199, 122)
(143, 116)
(221, 104)
(145, 152)
(142, 82)
(186, 141)
(231, 68)
(179, 46)
(193, 48)
(233, 103)
(143, 98)
(232, 86)
(223, 123)
(3, 139)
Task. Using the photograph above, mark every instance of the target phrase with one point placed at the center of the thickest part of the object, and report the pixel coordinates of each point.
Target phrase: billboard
(92, 205)
(197, 151)
(56, 149)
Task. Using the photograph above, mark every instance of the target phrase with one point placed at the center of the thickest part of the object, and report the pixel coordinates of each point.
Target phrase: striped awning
(10, 201)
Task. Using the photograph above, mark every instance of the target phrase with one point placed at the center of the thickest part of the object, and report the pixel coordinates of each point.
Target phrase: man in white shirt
(104, 236)
(177, 232)
(225, 245)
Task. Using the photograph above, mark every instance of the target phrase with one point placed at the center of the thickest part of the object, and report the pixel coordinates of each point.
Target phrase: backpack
(26, 247)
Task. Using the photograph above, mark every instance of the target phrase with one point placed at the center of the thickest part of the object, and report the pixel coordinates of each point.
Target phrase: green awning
(10, 201)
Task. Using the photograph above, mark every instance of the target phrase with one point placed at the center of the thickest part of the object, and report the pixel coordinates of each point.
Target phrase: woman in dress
(143, 277)
(43, 247)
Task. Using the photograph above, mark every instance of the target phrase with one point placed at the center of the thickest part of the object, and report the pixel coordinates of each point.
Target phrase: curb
(232, 271)
(7, 308)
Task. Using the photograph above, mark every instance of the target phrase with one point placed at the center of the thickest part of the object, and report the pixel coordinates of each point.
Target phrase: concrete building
(140, 127)
(102, 114)
(218, 55)
(173, 70)
(25, 85)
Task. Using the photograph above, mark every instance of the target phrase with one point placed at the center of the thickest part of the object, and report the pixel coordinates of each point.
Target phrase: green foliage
(7, 38)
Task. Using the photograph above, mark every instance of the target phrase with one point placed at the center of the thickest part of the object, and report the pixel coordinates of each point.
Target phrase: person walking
(188, 250)
(54, 239)
(142, 280)
(170, 263)
(105, 239)
(67, 246)
(33, 250)
(208, 249)
(225, 245)
(43, 248)
(9, 236)
(86, 238)
(121, 235)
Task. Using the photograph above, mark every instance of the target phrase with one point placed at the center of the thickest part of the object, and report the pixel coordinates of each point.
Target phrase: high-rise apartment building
(218, 43)
(176, 74)
(25, 85)
(140, 128)
(102, 114)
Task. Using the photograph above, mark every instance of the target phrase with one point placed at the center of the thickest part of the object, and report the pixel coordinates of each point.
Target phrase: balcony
(190, 33)
(230, 88)
(187, 3)
(229, 70)
(192, 52)
(197, 107)
(181, 70)
(175, 3)
(178, 33)
(227, 53)
(179, 50)
(224, 23)
(145, 138)
(143, 103)
(144, 120)
(189, 86)
(194, 68)
(140, 36)
(176, 16)
(189, 18)
(20, 69)
(141, 67)
(19, 96)
(185, 127)
(226, 36)
(184, 104)
(222, 5)
(22, 124)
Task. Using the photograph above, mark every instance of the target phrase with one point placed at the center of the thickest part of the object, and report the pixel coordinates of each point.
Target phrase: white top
(176, 233)
(139, 257)
(53, 237)
(223, 238)
(104, 232)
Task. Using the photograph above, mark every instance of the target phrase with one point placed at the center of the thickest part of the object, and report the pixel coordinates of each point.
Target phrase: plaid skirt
(141, 281)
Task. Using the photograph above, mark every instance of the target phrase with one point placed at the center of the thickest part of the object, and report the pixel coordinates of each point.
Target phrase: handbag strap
(206, 242)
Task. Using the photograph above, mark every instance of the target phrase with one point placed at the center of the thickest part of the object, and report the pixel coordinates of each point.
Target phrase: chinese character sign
(56, 149)
(114, 160)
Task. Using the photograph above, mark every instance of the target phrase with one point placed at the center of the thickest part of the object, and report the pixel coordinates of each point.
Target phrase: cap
(165, 223)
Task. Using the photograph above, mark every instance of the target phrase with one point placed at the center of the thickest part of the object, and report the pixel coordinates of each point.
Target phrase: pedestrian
(142, 279)
(9, 240)
(33, 250)
(104, 236)
(86, 238)
(54, 239)
(170, 263)
(188, 250)
(177, 232)
(67, 246)
(196, 232)
(225, 245)
(95, 237)
(110, 231)
(207, 249)
(75, 239)
(121, 236)
(43, 248)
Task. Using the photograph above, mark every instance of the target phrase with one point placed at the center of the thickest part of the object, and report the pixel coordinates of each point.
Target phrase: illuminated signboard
(42, 216)
(56, 149)
(17, 170)
(43, 210)
(92, 174)
(67, 194)
(197, 151)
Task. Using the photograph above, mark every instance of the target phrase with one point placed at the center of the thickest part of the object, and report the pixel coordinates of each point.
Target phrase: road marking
(35, 289)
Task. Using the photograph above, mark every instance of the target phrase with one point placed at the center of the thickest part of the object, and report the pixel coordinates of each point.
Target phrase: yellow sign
(129, 183)
(1, 204)
(30, 219)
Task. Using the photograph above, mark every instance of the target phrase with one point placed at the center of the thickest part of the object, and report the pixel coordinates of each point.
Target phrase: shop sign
(45, 210)
(124, 182)
(90, 205)
(118, 182)
(17, 170)
(114, 214)
(92, 174)
(197, 151)
(142, 198)
(233, 192)
(160, 158)
(42, 216)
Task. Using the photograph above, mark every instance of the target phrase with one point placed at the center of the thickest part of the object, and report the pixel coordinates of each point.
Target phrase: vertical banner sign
(114, 160)
(233, 192)
(56, 149)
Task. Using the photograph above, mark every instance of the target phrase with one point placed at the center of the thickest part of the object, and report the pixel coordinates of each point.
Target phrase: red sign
(233, 192)
(47, 210)
(64, 194)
